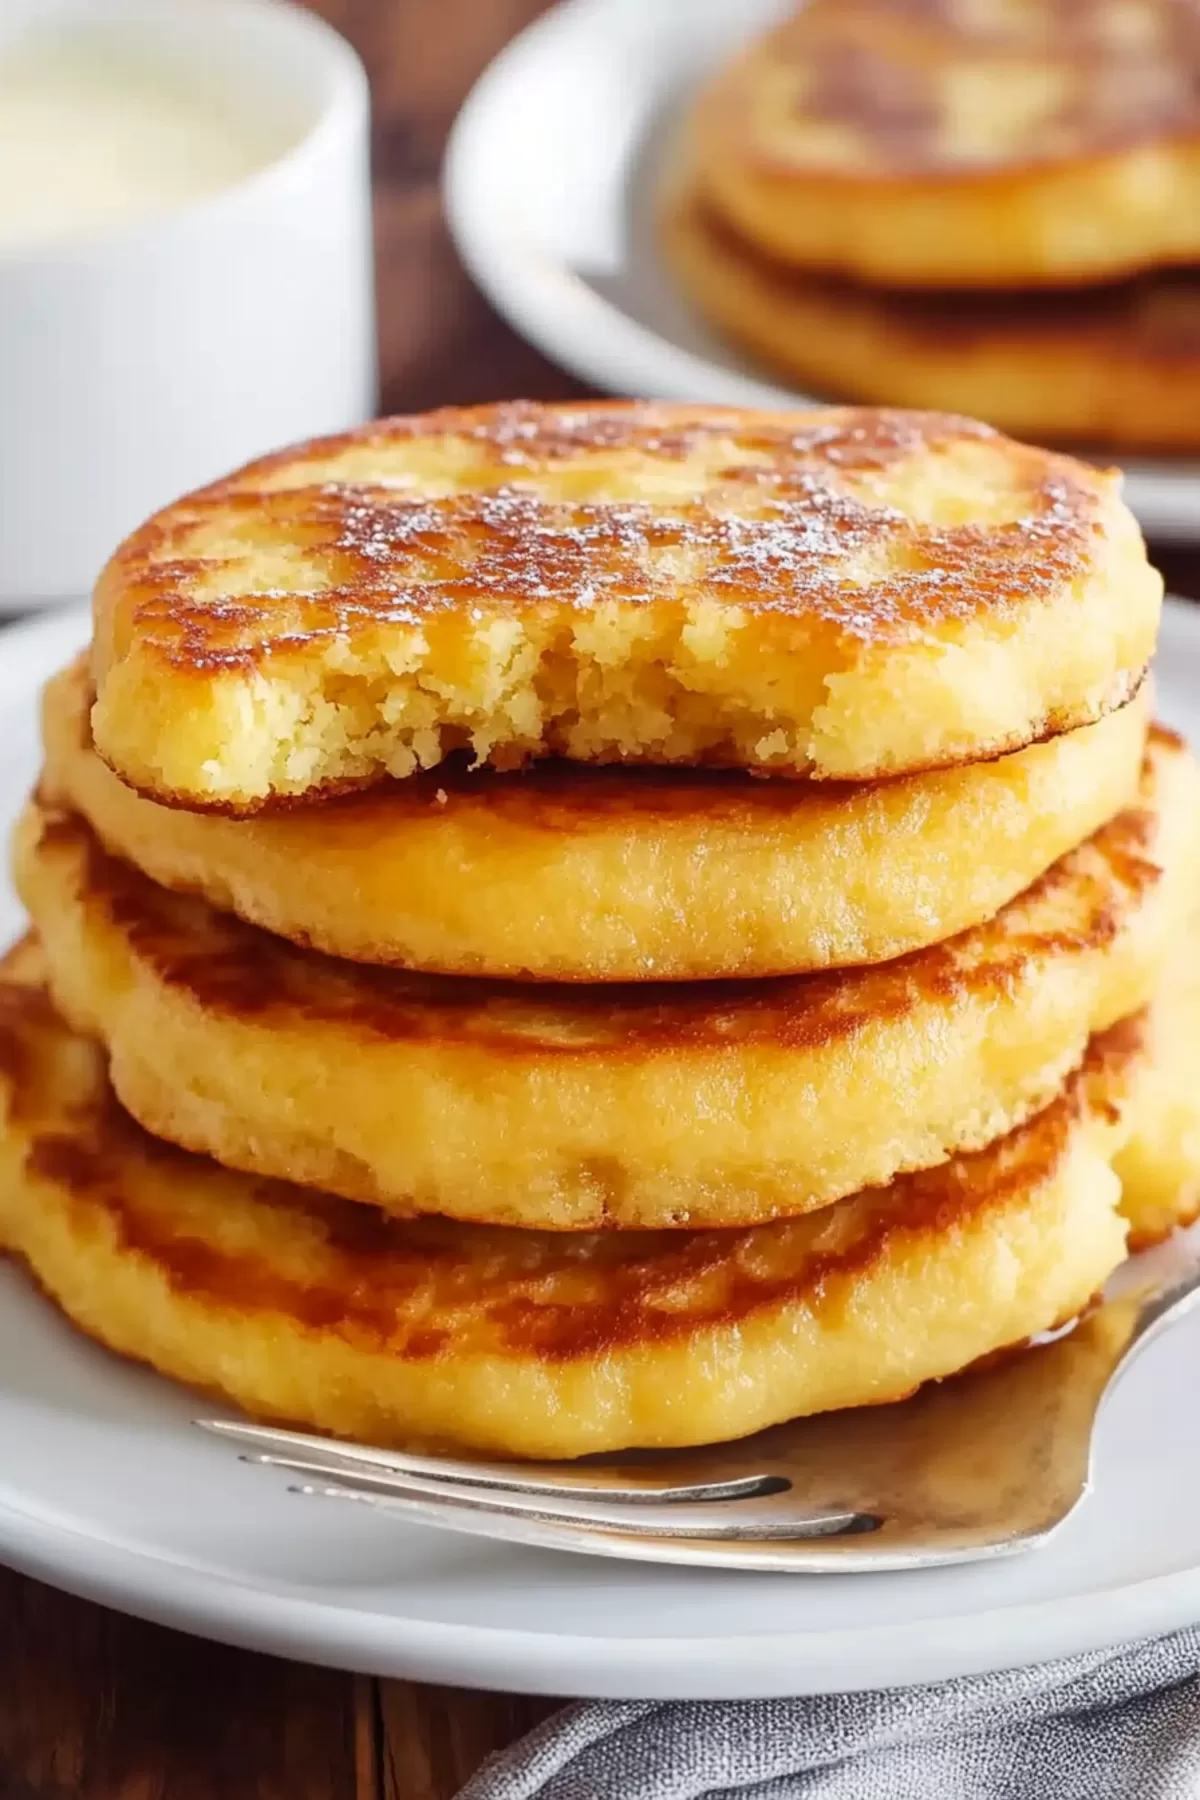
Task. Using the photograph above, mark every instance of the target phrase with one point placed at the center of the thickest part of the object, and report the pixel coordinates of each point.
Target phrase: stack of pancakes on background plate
(985, 205)
(559, 928)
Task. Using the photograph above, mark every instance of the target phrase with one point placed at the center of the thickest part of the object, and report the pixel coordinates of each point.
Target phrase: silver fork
(985, 1465)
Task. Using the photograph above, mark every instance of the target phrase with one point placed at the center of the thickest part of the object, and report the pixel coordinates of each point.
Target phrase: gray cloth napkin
(1112, 1725)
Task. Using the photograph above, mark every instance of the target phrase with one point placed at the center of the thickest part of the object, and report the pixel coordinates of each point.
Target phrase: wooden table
(97, 1707)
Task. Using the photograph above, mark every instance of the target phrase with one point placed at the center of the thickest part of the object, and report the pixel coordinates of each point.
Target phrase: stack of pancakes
(991, 208)
(562, 928)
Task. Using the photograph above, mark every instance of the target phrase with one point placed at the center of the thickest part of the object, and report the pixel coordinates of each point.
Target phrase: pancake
(1159, 1167)
(302, 1308)
(843, 594)
(1117, 366)
(620, 874)
(946, 143)
(583, 1108)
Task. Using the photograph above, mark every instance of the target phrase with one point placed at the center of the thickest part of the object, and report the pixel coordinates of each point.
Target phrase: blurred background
(440, 342)
(196, 265)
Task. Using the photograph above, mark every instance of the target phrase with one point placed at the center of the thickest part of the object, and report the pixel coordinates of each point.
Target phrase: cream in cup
(185, 261)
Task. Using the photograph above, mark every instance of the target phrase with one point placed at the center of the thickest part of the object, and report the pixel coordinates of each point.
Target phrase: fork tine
(549, 1479)
(732, 1519)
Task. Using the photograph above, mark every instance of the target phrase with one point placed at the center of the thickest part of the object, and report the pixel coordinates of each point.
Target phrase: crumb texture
(841, 594)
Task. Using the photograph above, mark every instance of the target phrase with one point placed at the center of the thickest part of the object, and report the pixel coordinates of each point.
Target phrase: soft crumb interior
(708, 683)
(610, 685)
(676, 667)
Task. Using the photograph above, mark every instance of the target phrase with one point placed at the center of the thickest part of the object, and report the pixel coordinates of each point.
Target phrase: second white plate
(548, 183)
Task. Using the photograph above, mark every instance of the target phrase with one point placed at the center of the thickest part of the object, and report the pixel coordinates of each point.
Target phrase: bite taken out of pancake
(838, 593)
(705, 1104)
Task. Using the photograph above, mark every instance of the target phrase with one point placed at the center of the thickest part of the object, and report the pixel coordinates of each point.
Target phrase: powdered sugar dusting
(574, 507)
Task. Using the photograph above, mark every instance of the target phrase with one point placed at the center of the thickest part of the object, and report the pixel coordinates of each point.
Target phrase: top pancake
(959, 143)
(846, 593)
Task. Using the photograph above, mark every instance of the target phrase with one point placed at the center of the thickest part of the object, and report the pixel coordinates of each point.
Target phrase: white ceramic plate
(107, 1490)
(548, 184)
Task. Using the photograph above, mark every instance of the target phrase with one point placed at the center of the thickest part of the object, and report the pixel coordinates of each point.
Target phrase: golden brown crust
(1117, 365)
(614, 581)
(720, 1103)
(227, 967)
(978, 127)
(371, 1264)
(769, 514)
(880, 75)
(301, 1308)
(401, 1286)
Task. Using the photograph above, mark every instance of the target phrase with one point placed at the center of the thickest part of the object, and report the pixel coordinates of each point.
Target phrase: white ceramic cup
(145, 360)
